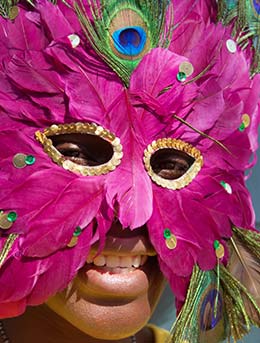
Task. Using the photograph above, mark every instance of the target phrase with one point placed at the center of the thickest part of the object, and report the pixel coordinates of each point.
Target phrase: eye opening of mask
(100, 150)
(172, 163)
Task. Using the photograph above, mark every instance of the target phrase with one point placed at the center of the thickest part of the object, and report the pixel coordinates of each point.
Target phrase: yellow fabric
(160, 334)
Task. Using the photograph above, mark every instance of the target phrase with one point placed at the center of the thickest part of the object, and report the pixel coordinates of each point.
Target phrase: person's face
(115, 293)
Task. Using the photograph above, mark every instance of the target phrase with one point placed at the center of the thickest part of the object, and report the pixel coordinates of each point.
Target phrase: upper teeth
(113, 261)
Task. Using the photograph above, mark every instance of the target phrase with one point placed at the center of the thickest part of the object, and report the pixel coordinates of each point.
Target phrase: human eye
(172, 163)
(82, 148)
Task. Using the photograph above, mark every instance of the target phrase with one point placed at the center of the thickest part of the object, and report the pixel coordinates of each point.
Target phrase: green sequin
(77, 232)
(242, 127)
(216, 244)
(30, 159)
(12, 216)
(167, 233)
(181, 76)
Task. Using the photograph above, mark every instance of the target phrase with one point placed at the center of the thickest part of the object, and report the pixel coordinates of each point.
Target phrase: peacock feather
(246, 14)
(202, 318)
(225, 301)
(7, 8)
(122, 32)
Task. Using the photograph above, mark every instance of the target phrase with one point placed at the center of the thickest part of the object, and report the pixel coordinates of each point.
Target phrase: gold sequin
(176, 144)
(83, 128)
(246, 120)
(19, 161)
(220, 251)
(73, 242)
(5, 224)
(186, 68)
(171, 242)
(13, 12)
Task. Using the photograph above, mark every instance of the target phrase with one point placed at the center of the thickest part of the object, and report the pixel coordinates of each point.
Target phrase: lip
(131, 246)
(126, 283)
(115, 283)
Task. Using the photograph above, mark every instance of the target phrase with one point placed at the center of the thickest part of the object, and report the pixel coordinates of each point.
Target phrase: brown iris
(83, 149)
(171, 164)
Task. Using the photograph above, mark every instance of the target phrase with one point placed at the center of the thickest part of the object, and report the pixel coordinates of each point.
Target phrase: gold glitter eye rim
(81, 128)
(177, 144)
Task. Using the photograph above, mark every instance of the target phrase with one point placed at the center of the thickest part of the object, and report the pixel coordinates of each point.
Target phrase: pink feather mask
(51, 75)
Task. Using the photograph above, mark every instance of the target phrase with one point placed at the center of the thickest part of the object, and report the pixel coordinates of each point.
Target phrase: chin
(101, 321)
(110, 304)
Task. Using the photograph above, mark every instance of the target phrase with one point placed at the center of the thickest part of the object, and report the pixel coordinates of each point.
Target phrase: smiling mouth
(115, 261)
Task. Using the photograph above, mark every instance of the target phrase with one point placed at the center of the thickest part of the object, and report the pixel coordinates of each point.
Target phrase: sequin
(226, 186)
(19, 161)
(73, 242)
(246, 120)
(74, 40)
(186, 68)
(220, 251)
(83, 128)
(176, 144)
(242, 127)
(13, 12)
(5, 224)
(167, 233)
(231, 46)
(77, 232)
(171, 242)
(181, 76)
(12, 216)
(216, 244)
(29, 160)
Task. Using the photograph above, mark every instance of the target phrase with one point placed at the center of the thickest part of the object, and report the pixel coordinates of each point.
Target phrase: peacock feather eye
(256, 6)
(122, 32)
(129, 35)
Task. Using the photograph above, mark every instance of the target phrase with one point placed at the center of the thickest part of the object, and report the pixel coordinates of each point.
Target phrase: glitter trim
(176, 144)
(82, 128)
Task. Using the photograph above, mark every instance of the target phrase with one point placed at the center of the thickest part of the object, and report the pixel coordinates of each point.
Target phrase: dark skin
(90, 150)
(46, 323)
(42, 325)
(56, 321)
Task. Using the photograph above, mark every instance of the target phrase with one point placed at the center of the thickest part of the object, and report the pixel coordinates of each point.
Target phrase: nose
(117, 230)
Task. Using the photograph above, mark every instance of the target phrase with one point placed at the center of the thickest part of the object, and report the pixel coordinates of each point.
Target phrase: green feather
(195, 321)
(246, 15)
(141, 20)
(6, 7)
